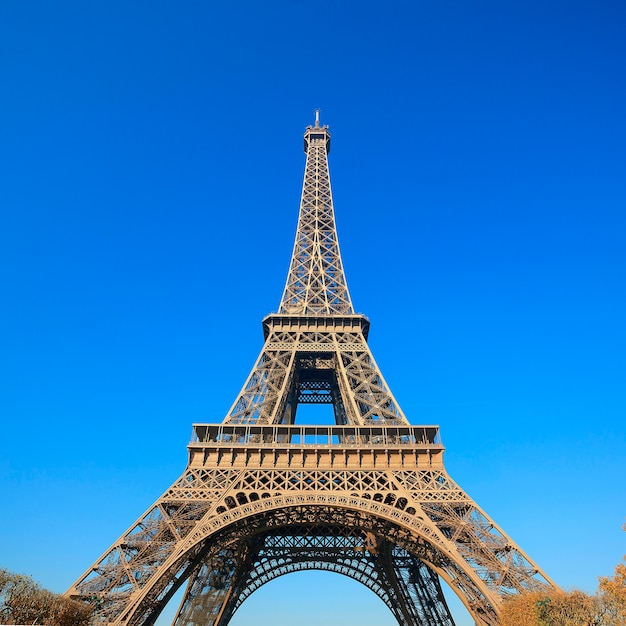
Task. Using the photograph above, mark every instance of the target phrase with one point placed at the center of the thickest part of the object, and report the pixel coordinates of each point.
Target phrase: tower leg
(418, 588)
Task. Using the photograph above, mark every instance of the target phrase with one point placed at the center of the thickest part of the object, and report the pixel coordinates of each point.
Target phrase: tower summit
(316, 284)
(263, 495)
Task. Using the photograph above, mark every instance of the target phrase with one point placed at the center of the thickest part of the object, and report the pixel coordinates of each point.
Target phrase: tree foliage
(607, 607)
(612, 591)
(23, 601)
(561, 608)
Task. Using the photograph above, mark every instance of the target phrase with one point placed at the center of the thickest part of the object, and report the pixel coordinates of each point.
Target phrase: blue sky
(151, 166)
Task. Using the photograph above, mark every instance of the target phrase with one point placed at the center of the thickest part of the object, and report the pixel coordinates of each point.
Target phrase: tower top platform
(317, 133)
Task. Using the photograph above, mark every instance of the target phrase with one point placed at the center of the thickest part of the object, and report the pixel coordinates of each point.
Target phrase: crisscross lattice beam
(316, 284)
(411, 591)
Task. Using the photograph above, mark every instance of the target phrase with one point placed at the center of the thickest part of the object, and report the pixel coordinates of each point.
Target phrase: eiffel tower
(263, 496)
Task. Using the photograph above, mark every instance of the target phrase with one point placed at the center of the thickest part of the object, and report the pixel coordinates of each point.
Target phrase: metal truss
(331, 364)
(316, 284)
(263, 496)
(411, 591)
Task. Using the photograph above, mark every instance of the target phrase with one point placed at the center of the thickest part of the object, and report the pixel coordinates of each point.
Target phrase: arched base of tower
(243, 552)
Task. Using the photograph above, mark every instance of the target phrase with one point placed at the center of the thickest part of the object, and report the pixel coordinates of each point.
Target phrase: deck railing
(314, 435)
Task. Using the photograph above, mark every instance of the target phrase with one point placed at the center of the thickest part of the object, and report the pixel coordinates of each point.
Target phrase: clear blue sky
(150, 171)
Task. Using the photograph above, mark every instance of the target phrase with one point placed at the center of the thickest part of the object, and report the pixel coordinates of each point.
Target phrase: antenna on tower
(317, 118)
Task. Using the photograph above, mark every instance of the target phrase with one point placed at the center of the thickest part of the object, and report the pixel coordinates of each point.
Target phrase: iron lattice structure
(263, 496)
